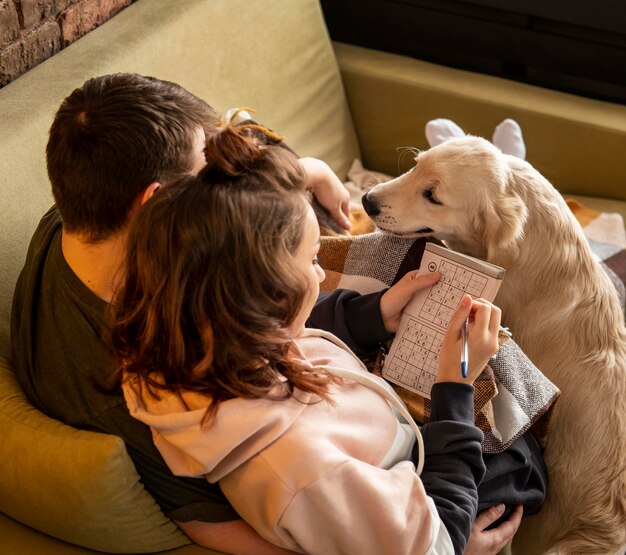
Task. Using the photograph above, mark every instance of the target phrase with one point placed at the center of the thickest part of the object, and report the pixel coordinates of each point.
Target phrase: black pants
(517, 476)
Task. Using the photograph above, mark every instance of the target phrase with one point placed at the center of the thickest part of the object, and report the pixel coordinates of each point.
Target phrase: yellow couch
(336, 102)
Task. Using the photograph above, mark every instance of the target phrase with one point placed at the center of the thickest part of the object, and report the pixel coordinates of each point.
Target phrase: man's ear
(148, 192)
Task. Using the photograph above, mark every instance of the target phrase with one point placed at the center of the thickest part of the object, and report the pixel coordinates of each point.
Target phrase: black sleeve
(453, 465)
(181, 498)
(352, 317)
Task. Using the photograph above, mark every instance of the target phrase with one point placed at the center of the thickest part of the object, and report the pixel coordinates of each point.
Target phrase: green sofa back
(275, 57)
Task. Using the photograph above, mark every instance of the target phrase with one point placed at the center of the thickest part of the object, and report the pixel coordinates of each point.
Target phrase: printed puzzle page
(414, 355)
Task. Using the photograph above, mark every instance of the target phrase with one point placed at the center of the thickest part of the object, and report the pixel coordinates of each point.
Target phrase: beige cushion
(277, 60)
(75, 485)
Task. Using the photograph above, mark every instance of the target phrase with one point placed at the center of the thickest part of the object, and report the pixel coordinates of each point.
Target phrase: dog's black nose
(370, 205)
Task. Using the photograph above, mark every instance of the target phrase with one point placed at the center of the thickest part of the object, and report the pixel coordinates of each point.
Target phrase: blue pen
(464, 353)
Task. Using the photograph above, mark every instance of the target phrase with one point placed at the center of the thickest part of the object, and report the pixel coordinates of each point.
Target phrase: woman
(311, 450)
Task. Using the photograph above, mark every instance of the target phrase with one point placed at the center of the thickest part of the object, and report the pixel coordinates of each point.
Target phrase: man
(113, 143)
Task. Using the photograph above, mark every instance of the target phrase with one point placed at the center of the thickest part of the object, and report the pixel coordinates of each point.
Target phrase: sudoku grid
(413, 363)
(445, 295)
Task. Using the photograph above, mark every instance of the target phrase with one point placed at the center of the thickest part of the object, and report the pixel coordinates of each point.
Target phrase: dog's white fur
(562, 309)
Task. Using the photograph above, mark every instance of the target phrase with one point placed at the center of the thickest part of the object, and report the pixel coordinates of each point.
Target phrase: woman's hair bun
(231, 149)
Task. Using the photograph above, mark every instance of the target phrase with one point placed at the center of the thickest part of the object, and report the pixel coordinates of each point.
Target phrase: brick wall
(33, 30)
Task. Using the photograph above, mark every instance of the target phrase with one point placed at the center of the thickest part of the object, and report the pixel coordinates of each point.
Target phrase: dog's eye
(430, 196)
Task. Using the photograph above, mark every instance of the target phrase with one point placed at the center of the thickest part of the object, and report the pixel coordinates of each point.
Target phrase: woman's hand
(328, 190)
(398, 295)
(482, 340)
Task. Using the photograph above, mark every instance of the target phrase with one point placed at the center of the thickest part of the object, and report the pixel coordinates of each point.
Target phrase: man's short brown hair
(112, 138)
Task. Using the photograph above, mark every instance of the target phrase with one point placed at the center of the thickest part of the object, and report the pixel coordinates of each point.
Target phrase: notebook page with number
(414, 355)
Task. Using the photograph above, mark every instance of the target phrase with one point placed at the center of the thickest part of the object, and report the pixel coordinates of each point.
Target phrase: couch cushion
(75, 485)
(229, 52)
(577, 143)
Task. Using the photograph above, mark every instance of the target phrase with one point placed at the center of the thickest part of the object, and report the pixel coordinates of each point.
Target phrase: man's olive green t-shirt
(60, 360)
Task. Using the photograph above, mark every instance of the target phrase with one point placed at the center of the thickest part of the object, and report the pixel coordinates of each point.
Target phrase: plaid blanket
(607, 239)
(511, 395)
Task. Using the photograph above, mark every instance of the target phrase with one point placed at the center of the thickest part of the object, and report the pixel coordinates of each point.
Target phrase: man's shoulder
(54, 330)
(49, 225)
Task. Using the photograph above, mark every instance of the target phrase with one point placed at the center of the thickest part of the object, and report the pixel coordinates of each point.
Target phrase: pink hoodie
(308, 475)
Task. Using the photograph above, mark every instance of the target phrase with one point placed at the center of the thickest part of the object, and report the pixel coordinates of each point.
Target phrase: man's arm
(328, 189)
(235, 537)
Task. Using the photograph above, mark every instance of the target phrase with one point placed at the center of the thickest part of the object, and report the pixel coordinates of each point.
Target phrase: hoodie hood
(241, 428)
(294, 467)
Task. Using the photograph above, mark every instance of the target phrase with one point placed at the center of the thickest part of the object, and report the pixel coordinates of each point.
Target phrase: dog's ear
(501, 224)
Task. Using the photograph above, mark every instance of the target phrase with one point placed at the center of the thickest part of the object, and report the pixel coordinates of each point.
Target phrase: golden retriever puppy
(562, 309)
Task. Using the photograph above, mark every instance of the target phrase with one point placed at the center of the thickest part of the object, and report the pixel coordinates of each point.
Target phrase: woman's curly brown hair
(210, 285)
